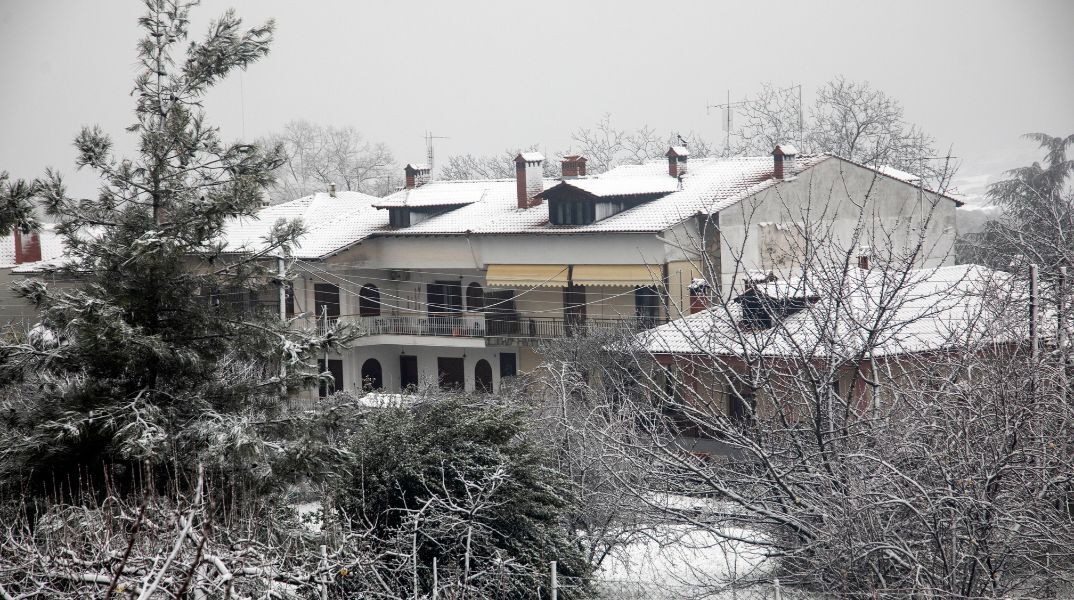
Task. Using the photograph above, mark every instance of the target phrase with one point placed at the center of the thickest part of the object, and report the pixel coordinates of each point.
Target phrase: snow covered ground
(681, 562)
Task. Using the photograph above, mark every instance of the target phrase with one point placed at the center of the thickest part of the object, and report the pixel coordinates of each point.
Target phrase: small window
(475, 297)
(369, 301)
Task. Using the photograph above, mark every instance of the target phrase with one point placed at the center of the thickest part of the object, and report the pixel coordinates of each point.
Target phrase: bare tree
(497, 166)
(850, 119)
(318, 155)
(883, 432)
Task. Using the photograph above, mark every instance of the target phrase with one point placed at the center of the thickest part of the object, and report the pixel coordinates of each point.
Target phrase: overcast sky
(496, 75)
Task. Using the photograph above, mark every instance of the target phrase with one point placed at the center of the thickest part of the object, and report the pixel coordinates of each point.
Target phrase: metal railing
(475, 325)
(546, 328)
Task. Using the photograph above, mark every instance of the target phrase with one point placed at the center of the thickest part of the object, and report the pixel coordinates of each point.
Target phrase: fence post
(325, 578)
(555, 582)
(436, 593)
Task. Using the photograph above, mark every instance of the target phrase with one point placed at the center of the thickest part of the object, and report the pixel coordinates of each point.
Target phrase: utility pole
(1033, 309)
(555, 582)
(1061, 331)
(282, 276)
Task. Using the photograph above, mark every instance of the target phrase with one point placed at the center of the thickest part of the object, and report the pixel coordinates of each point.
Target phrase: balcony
(499, 327)
(550, 328)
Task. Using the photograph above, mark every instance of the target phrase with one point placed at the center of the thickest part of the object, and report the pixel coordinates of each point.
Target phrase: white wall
(847, 205)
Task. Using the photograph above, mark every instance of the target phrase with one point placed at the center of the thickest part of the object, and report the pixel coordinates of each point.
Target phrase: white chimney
(784, 161)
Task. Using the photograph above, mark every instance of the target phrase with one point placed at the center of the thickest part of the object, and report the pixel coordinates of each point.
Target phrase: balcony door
(326, 301)
(574, 309)
(445, 304)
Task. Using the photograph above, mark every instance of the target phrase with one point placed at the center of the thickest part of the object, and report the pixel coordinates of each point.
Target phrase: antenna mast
(429, 137)
(728, 117)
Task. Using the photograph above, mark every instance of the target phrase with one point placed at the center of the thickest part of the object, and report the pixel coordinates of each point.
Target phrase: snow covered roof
(711, 185)
(490, 207)
(530, 156)
(332, 224)
(604, 187)
(51, 246)
(677, 151)
(785, 149)
(931, 310)
(427, 196)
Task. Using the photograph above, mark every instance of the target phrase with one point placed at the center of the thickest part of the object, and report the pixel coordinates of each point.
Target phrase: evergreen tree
(1038, 212)
(461, 480)
(156, 358)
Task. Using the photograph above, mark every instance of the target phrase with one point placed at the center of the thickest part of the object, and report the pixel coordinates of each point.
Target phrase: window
(647, 306)
(451, 373)
(399, 217)
(475, 297)
(483, 377)
(372, 375)
(742, 405)
(335, 367)
(326, 300)
(369, 301)
(289, 299)
(408, 373)
(571, 212)
(508, 364)
(445, 297)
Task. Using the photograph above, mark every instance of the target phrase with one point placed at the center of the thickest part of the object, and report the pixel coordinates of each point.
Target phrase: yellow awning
(617, 275)
(516, 276)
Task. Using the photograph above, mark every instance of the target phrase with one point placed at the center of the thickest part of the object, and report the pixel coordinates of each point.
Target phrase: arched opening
(475, 297)
(483, 377)
(372, 375)
(369, 301)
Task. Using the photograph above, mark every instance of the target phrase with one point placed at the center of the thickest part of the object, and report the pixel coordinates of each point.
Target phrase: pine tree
(156, 358)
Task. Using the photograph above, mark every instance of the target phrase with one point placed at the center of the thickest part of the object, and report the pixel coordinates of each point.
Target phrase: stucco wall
(841, 208)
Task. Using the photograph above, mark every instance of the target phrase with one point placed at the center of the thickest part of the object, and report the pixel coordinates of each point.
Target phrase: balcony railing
(546, 328)
(476, 325)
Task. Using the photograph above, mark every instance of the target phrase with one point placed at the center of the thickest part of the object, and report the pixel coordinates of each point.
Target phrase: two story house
(456, 283)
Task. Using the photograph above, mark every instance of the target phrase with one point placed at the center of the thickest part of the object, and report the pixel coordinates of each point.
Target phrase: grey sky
(493, 75)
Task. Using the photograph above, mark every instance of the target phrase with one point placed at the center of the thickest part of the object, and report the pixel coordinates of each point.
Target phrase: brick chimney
(677, 156)
(27, 246)
(784, 161)
(332, 189)
(573, 166)
(416, 175)
(529, 178)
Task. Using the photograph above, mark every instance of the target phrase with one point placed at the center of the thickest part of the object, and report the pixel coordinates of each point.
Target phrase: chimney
(573, 166)
(332, 189)
(27, 246)
(864, 256)
(784, 161)
(529, 178)
(416, 175)
(699, 296)
(677, 156)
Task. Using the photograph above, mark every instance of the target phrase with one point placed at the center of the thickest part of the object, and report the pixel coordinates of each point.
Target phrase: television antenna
(429, 137)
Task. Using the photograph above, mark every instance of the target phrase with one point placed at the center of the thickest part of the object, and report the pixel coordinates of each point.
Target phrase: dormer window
(399, 217)
(571, 212)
